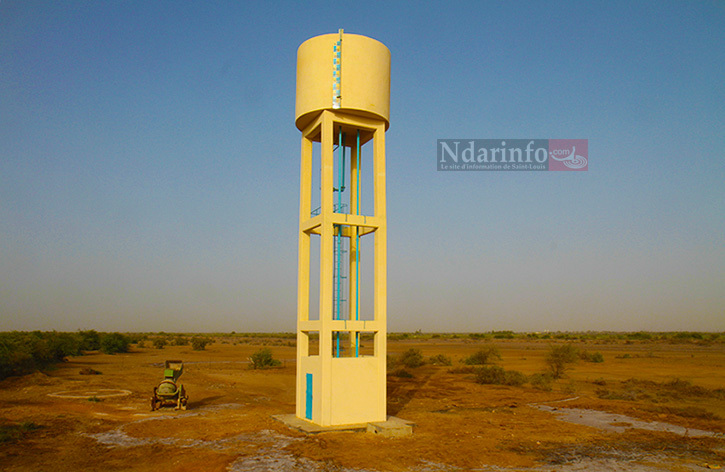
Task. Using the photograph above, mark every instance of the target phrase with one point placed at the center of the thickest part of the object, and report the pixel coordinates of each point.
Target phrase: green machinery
(170, 392)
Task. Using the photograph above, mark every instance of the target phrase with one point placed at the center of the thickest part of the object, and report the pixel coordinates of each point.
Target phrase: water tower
(342, 109)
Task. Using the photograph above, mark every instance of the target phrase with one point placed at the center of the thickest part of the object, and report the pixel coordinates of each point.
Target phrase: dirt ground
(595, 418)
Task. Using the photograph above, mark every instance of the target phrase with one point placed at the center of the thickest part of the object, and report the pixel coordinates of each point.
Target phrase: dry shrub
(683, 388)
(199, 343)
(464, 369)
(114, 343)
(496, 375)
(440, 359)
(402, 373)
(595, 357)
(14, 432)
(691, 412)
(559, 358)
(483, 356)
(263, 359)
(542, 381)
(648, 390)
(412, 358)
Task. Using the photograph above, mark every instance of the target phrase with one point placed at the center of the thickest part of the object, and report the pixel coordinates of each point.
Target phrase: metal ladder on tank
(338, 270)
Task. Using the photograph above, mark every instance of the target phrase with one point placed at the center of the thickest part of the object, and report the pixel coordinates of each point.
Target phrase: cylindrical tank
(361, 84)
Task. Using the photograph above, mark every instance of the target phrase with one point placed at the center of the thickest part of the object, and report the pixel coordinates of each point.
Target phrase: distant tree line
(25, 352)
(674, 337)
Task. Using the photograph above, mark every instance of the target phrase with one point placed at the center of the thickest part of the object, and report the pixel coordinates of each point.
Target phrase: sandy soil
(103, 422)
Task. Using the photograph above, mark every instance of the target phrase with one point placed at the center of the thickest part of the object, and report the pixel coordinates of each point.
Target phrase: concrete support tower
(342, 109)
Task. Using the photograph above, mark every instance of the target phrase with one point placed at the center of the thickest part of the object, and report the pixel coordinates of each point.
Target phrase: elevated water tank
(348, 72)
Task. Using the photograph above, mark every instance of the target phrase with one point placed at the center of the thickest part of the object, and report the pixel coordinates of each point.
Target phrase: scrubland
(479, 401)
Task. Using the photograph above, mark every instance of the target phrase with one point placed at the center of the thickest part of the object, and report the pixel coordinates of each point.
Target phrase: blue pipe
(341, 184)
(357, 249)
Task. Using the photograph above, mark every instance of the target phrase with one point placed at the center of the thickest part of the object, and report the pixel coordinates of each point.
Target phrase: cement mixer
(170, 392)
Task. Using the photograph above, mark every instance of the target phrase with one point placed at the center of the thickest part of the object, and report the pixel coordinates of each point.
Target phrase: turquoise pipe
(340, 187)
(357, 248)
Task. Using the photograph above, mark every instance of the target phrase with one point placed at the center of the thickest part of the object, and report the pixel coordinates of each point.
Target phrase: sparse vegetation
(90, 340)
(496, 375)
(569, 388)
(263, 359)
(15, 432)
(199, 343)
(560, 357)
(690, 412)
(595, 357)
(503, 335)
(412, 358)
(647, 390)
(440, 359)
(114, 343)
(463, 369)
(89, 371)
(483, 356)
(542, 381)
(605, 337)
(461, 400)
(22, 353)
(25, 352)
(660, 393)
(402, 373)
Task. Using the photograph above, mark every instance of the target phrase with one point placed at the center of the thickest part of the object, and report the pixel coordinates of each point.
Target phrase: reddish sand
(460, 425)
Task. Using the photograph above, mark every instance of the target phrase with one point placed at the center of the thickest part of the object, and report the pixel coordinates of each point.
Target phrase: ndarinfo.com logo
(513, 154)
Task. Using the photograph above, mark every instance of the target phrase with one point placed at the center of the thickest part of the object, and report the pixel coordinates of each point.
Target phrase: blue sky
(149, 164)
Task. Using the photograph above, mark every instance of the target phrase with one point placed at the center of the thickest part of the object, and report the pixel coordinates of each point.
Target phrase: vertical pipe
(342, 171)
(352, 242)
(341, 146)
(357, 248)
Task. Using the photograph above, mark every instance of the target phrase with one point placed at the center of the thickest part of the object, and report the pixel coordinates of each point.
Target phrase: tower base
(393, 427)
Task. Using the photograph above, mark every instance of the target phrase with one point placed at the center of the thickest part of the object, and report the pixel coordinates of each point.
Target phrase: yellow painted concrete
(347, 389)
(365, 81)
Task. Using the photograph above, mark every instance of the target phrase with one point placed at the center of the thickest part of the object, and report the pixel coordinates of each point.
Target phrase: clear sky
(149, 164)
